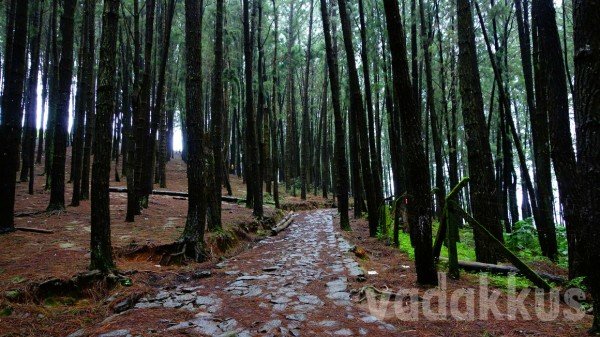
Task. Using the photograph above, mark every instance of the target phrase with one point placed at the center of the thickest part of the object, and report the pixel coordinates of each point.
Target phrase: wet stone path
(293, 284)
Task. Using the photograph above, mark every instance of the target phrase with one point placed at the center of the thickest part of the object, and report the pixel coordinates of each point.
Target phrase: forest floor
(30, 259)
(396, 274)
(310, 280)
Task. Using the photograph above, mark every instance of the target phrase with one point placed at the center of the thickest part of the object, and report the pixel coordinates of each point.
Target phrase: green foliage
(578, 282)
(126, 282)
(465, 247)
(12, 294)
(502, 281)
(18, 279)
(523, 239)
(6, 311)
(563, 249)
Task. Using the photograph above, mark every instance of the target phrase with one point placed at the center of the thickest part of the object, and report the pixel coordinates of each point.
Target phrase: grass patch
(522, 241)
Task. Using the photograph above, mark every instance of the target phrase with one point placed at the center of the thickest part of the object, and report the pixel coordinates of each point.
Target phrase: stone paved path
(294, 284)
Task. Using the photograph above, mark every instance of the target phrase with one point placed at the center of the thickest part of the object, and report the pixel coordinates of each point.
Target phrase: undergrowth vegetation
(522, 241)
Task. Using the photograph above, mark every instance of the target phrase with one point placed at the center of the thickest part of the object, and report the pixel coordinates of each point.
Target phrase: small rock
(279, 307)
(310, 299)
(162, 295)
(339, 296)
(78, 333)
(202, 274)
(169, 303)
(343, 332)
(280, 300)
(204, 300)
(369, 319)
(253, 291)
(191, 289)
(147, 305)
(296, 317)
(179, 326)
(276, 323)
(184, 298)
(228, 325)
(124, 305)
(328, 323)
(116, 333)
(206, 326)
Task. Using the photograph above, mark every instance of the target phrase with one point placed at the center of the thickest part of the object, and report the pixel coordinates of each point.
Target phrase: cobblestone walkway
(294, 284)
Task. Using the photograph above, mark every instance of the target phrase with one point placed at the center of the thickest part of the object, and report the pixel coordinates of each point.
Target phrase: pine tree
(101, 249)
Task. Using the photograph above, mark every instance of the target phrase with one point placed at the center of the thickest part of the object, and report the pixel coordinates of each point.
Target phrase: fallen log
(502, 270)
(510, 256)
(35, 230)
(177, 194)
(283, 224)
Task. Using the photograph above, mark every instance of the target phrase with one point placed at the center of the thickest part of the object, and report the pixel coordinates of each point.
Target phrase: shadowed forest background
(142, 142)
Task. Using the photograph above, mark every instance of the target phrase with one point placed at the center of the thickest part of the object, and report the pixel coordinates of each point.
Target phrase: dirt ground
(28, 259)
(396, 271)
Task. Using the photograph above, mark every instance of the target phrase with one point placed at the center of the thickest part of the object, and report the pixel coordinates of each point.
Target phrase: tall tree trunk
(550, 73)
(83, 88)
(143, 175)
(373, 150)
(10, 128)
(417, 172)
(341, 166)
(539, 136)
(128, 130)
(436, 132)
(101, 249)
(53, 96)
(90, 109)
(305, 110)
(28, 141)
(159, 100)
(217, 119)
(45, 73)
(358, 111)
(482, 186)
(57, 189)
(193, 233)
(324, 136)
(262, 109)
(275, 104)
(254, 183)
(586, 15)
(288, 154)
